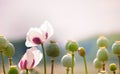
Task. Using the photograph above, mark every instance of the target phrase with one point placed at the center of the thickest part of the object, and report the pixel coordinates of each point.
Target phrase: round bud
(81, 51)
(3, 42)
(67, 60)
(13, 70)
(97, 64)
(52, 49)
(112, 66)
(116, 48)
(102, 54)
(102, 42)
(72, 46)
(9, 51)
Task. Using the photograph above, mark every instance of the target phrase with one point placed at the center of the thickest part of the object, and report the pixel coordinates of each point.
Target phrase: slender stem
(27, 71)
(98, 71)
(114, 72)
(44, 58)
(67, 70)
(119, 63)
(72, 69)
(10, 61)
(52, 65)
(103, 66)
(3, 65)
(85, 65)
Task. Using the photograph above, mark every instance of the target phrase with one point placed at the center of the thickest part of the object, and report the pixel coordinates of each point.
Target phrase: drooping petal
(34, 37)
(47, 29)
(37, 55)
(30, 59)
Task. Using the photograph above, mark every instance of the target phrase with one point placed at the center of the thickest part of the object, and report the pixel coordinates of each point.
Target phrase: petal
(37, 55)
(47, 29)
(33, 33)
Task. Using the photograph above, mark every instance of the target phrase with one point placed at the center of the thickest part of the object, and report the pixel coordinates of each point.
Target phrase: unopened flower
(37, 36)
(30, 59)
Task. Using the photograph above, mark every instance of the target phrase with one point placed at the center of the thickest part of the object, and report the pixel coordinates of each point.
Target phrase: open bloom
(37, 36)
(30, 59)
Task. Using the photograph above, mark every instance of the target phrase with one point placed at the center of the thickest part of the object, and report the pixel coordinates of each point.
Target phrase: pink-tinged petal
(37, 55)
(31, 35)
(46, 35)
(20, 64)
(46, 27)
(25, 64)
(37, 40)
(32, 65)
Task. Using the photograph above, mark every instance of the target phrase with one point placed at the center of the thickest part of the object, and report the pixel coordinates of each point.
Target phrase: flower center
(37, 40)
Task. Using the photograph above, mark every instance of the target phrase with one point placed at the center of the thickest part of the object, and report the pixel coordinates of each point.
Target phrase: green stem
(44, 58)
(119, 62)
(52, 65)
(85, 64)
(72, 69)
(114, 72)
(103, 66)
(10, 61)
(67, 70)
(3, 65)
(27, 71)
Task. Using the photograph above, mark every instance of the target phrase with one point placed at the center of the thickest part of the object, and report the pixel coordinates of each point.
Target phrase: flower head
(30, 59)
(37, 36)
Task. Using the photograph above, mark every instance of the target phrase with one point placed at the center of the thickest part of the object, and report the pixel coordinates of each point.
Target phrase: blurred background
(80, 20)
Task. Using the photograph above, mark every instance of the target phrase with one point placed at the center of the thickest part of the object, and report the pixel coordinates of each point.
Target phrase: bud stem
(3, 66)
(10, 61)
(103, 66)
(52, 65)
(44, 58)
(114, 72)
(67, 70)
(119, 62)
(27, 71)
(72, 69)
(85, 64)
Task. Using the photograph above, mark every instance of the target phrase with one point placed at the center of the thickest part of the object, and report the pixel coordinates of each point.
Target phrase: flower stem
(103, 66)
(114, 72)
(10, 61)
(52, 65)
(44, 58)
(72, 69)
(3, 66)
(85, 64)
(119, 63)
(27, 71)
(67, 70)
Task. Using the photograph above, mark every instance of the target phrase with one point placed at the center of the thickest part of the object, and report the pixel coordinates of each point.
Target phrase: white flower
(37, 36)
(30, 59)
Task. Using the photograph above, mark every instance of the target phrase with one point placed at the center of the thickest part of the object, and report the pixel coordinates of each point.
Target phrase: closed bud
(71, 46)
(81, 51)
(52, 49)
(3, 42)
(97, 64)
(112, 66)
(102, 42)
(67, 60)
(9, 51)
(102, 54)
(13, 70)
(116, 48)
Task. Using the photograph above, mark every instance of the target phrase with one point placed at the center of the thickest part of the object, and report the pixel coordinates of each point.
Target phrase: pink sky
(71, 19)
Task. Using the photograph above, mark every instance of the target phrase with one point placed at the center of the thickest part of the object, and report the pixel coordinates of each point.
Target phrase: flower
(37, 36)
(30, 59)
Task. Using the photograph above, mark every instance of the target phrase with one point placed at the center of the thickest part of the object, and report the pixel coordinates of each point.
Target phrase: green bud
(67, 60)
(72, 46)
(97, 64)
(13, 70)
(112, 66)
(102, 54)
(52, 49)
(81, 51)
(116, 48)
(9, 51)
(3, 43)
(102, 42)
